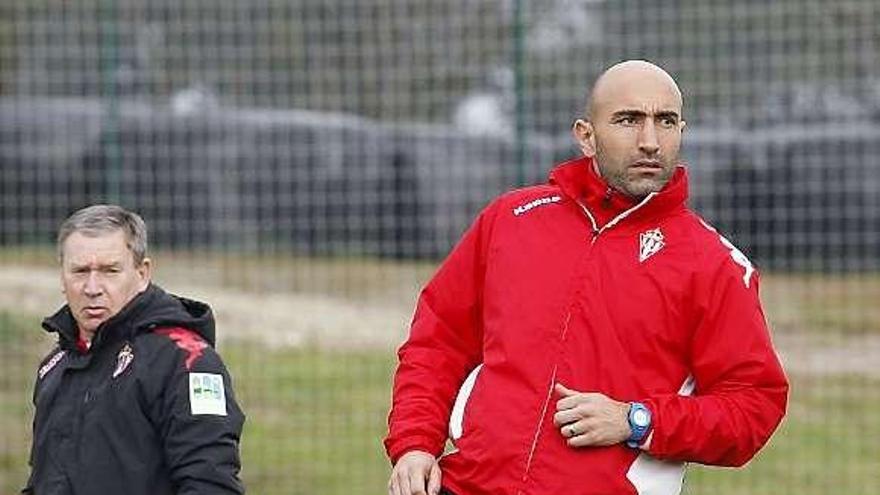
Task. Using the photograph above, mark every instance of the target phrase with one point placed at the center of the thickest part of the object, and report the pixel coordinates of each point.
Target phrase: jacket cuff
(646, 443)
(410, 443)
(656, 421)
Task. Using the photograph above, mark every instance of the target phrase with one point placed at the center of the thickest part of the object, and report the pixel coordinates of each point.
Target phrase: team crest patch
(207, 394)
(50, 364)
(123, 360)
(650, 243)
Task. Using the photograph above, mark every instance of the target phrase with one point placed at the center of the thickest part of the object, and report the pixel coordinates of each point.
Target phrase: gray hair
(95, 220)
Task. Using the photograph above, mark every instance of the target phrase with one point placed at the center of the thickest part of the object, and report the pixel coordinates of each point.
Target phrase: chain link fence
(303, 165)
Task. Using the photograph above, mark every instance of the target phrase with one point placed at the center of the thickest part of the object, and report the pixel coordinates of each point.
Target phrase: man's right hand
(416, 473)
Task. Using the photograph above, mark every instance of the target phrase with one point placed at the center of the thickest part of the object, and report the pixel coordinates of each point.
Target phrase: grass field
(315, 420)
(316, 410)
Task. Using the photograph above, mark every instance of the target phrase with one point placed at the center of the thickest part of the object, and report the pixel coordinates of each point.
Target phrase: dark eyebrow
(668, 114)
(103, 266)
(627, 113)
(639, 113)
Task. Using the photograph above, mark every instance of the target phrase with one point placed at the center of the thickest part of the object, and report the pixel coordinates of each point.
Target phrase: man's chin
(90, 325)
(640, 190)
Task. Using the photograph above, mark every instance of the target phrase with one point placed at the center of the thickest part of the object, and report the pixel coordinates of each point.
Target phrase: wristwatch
(639, 418)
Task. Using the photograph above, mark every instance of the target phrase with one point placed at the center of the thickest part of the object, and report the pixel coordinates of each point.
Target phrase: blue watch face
(640, 417)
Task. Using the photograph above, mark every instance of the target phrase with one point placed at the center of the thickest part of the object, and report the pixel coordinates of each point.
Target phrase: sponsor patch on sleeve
(206, 394)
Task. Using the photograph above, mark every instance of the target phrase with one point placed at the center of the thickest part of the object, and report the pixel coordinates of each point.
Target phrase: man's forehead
(96, 259)
(637, 97)
(87, 247)
(641, 87)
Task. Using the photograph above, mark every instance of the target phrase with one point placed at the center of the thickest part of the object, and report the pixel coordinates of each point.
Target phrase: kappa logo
(519, 210)
(187, 340)
(740, 259)
(123, 360)
(735, 254)
(650, 243)
(51, 363)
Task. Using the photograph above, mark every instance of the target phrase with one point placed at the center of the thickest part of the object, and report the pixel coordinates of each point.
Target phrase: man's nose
(93, 285)
(648, 142)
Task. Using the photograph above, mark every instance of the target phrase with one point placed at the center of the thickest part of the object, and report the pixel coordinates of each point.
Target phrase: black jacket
(148, 410)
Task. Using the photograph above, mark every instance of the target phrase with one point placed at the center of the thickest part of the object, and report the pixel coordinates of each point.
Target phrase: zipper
(614, 221)
(595, 228)
(606, 201)
(545, 406)
(534, 446)
(595, 232)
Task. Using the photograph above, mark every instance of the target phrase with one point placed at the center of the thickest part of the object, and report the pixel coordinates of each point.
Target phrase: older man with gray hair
(133, 399)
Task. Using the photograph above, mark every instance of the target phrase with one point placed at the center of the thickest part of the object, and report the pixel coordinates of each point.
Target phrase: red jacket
(568, 282)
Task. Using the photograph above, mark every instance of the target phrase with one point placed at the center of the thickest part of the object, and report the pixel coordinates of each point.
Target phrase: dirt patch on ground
(286, 318)
(829, 355)
(275, 319)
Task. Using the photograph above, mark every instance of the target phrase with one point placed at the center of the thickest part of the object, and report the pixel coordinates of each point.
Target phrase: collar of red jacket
(579, 181)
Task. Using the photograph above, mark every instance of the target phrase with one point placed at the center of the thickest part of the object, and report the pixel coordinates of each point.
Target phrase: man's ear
(583, 134)
(682, 125)
(146, 272)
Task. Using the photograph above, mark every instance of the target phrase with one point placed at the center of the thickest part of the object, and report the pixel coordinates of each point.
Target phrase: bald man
(592, 334)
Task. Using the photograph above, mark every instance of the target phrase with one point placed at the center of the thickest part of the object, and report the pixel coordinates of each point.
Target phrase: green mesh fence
(303, 165)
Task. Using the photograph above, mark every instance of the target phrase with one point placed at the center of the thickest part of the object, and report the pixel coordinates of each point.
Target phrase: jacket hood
(151, 309)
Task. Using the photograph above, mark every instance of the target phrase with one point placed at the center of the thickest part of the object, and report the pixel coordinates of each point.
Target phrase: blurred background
(303, 165)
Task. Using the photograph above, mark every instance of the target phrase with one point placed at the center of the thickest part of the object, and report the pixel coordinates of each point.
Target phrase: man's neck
(84, 340)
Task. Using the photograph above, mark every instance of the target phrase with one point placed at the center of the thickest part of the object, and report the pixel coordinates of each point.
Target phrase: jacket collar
(117, 327)
(579, 181)
(151, 309)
